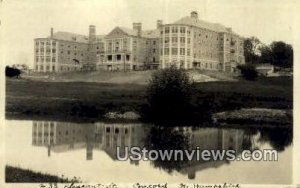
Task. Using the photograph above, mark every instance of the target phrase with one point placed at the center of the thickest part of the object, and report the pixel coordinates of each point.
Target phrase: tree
(248, 71)
(12, 72)
(251, 50)
(266, 55)
(282, 54)
(169, 95)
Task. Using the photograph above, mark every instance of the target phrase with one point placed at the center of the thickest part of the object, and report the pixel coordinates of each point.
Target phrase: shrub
(169, 97)
(249, 72)
(12, 72)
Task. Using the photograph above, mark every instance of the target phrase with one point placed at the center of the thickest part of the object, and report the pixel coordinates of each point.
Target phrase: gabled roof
(151, 33)
(67, 36)
(202, 24)
(131, 32)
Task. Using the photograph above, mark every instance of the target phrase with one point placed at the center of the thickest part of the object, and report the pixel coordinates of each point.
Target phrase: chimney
(194, 14)
(92, 33)
(137, 27)
(229, 29)
(159, 23)
(51, 32)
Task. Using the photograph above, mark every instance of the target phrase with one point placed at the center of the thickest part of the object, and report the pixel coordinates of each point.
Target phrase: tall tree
(282, 54)
(251, 50)
(266, 55)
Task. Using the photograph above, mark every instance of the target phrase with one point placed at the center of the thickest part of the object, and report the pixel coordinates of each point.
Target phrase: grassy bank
(72, 101)
(18, 175)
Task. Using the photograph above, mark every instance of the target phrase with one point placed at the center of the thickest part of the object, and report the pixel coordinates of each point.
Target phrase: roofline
(60, 40)
(203, 28)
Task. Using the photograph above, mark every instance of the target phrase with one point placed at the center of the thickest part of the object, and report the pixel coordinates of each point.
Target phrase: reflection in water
(63, 137)
(191, 138)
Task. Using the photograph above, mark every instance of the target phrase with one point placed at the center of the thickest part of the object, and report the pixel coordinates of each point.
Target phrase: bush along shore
(255, 116)
(19, 175)
(169, 96)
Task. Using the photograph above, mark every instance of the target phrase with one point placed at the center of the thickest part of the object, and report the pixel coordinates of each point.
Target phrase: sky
(24, 20)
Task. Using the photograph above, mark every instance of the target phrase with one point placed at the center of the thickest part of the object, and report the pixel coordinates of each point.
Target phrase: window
(188, 40)
(182, 29)
(53, 50)
(182, 51)
(42, 67)
(174, 51)
(174, 29)
(167, 51)
(153, 59)
(109, 57)
(53, 68)
(188, 51)
(47, 68)
(182, 40)
(167, 40)
(153, 50)
(53, 59)
(154, 42)
(47, 59)
(118, 57)
(174, 39)
(68, 52)
(167, 30)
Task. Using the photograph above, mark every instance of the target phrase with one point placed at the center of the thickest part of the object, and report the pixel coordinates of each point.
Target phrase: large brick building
(64, 51)
(188, 43)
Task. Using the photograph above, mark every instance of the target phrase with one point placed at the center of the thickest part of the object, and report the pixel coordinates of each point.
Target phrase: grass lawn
(89, 101)
(18, 175)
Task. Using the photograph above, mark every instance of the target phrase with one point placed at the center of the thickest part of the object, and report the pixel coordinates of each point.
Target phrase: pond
(88, 151)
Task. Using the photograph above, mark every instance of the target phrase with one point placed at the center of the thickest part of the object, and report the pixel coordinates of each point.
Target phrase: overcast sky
(24, 20)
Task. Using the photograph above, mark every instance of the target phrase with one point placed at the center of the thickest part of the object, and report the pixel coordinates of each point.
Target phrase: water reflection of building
(60, 136)
(111, 136)
(211, 139)
(63, 136)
